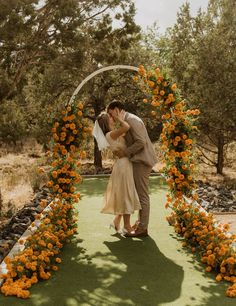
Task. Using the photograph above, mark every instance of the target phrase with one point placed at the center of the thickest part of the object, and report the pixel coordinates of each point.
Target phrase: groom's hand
(120, 153)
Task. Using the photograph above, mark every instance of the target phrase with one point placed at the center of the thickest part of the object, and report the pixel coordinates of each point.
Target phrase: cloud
(163, 12)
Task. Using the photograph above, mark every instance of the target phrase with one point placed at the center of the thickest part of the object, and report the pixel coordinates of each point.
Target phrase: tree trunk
(97, 157)
(1, 202)
(98, 106)
(220, 154)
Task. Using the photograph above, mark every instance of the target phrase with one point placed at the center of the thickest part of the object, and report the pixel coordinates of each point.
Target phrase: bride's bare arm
(122, 129)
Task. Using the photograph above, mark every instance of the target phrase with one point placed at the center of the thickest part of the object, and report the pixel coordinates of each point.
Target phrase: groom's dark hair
(114, 104)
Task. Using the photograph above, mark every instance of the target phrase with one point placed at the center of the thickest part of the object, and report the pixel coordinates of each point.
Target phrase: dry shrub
(38, 178)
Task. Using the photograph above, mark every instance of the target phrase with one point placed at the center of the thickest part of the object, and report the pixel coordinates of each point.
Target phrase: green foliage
(13, 123)
(48, 47)
(203, 61)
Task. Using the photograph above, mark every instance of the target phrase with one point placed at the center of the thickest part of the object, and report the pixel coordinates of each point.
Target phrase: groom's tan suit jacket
(139, 146)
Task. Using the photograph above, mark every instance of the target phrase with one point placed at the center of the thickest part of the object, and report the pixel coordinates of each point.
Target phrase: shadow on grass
(131, 272)
(97, 186)
(151, 278)
(147, 277)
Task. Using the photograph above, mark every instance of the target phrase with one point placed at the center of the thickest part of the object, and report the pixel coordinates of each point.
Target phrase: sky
(164, 12)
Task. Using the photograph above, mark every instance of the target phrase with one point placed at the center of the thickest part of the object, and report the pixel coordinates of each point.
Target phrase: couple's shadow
(151, 278)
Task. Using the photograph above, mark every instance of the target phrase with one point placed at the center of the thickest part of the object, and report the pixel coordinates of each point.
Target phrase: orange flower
(50, 183)
(151, 84)
(174, 86)
(54, 174)
(58, 260)
(208, 268)
(19, 268)
(80, 105)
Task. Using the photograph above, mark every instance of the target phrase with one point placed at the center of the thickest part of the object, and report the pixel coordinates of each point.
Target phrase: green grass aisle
(104, 269)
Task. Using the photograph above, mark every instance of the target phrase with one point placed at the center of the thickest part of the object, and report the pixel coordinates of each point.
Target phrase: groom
(141, 153)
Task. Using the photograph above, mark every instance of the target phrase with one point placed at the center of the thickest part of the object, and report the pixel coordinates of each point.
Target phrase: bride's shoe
(125, 231)
(113, 226)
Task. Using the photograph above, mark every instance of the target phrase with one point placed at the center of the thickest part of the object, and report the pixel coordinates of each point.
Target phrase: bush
(37, 176)
(13, 124)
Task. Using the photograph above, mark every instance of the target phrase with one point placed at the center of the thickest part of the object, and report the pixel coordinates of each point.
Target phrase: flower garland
(198, 228)
(40, 255)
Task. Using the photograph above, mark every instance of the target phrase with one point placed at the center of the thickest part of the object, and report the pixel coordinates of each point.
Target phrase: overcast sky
(163, 11)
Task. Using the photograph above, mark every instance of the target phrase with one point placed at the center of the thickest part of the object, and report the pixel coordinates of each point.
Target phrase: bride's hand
(121, 115)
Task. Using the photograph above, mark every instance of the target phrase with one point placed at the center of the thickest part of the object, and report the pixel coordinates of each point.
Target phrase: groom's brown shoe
(137, 233)
(135, 226)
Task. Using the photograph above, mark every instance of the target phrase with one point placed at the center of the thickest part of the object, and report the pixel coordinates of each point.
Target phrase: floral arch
(58, 222)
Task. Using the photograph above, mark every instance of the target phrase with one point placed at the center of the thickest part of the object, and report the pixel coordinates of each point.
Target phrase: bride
(121, 198)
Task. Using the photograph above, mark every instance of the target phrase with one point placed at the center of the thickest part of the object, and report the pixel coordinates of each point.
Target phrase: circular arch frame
(89, 77)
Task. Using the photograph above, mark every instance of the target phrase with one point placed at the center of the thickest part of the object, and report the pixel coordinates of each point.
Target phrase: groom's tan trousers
(141, 174)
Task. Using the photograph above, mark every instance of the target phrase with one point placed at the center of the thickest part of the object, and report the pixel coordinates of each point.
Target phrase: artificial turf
(101, 268)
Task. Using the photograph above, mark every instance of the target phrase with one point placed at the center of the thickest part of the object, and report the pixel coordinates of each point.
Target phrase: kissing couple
(128, 187)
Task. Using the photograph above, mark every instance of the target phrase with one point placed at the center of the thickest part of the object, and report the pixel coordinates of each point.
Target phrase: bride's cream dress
(121, 196)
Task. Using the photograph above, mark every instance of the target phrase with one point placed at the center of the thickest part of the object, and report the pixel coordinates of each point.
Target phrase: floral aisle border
(19, 245)
(41, 249)
(40, 254)
(198, 228)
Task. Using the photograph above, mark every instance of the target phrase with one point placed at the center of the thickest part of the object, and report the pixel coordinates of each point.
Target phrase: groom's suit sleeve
(137, 129)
